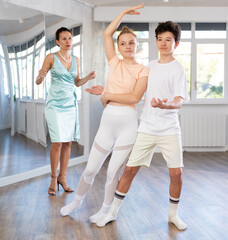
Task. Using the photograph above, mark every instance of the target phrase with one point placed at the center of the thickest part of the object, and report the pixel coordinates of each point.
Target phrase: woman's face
(127, 45)
(65, 40)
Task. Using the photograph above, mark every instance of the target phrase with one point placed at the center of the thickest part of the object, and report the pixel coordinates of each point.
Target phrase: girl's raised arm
(110, 30)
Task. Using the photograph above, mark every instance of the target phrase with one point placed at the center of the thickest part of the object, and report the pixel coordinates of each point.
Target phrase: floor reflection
(19, 154)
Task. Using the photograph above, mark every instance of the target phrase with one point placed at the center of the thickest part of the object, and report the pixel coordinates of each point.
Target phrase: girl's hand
(104, 100)
(96, 90)
(133, 10)
(91, 75)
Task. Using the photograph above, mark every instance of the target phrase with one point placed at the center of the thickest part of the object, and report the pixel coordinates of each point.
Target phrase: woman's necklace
(68, 61)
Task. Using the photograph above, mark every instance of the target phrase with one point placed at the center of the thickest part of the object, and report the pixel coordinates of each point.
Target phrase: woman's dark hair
(125, 29)
(169, 26)
(62, 29)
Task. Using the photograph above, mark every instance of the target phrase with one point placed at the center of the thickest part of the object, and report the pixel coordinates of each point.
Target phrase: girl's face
(65, 40)
(127, 45)
(166, 43)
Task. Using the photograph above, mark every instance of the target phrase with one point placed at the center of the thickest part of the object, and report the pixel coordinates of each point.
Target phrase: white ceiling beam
(157, 14)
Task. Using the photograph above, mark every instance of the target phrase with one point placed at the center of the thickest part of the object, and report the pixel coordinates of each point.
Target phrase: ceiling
(170, 3)
(15, 19)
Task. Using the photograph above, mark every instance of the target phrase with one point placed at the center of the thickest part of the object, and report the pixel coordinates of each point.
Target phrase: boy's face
(166, 43)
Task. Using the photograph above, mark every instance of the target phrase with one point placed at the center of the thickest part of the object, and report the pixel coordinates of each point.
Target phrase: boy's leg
(141, 155)
(174, 193)
(122, 189)
(116, 163)
(171, 148)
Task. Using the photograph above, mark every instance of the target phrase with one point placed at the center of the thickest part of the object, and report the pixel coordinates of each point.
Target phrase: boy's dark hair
(62, 29)
(169, 26)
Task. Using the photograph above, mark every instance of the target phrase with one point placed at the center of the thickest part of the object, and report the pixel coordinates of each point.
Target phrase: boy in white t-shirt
(159, 126)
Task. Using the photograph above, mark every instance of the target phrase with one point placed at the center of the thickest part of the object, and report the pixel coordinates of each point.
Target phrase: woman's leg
(64, 160)
(55, 151)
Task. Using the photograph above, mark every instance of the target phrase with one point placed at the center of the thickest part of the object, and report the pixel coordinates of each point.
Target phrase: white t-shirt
(166, 80)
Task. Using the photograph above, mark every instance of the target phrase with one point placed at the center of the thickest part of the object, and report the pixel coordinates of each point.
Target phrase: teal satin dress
(61, 109)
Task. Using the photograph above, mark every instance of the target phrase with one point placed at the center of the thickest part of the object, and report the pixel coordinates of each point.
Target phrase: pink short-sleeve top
(122, 77)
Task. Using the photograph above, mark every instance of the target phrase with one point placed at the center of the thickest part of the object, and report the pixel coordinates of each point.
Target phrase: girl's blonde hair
(126, 29)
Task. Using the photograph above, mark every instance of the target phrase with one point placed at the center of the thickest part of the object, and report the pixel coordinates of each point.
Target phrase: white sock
(173, 214)
(100, 214)
(113, 212)
(69, 208)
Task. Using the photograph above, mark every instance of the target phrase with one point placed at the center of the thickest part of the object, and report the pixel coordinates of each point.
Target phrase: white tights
(117, 133)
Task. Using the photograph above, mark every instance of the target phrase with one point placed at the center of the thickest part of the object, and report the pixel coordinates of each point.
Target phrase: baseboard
(5, 181)
(205, 149)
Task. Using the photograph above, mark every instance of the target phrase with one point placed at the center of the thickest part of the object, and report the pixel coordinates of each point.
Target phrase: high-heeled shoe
(52, 191)
(66, 189)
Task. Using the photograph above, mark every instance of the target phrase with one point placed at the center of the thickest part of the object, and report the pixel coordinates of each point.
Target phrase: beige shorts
(145, 146)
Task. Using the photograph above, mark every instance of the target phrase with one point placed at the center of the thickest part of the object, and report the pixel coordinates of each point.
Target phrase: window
(203, 47)
(183, 55)
(210, 71)
(210, 30)
(3, 71)
(25, 62)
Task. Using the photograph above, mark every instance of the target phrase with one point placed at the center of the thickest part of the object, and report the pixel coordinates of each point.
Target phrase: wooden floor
(27, 212)
(19, 154)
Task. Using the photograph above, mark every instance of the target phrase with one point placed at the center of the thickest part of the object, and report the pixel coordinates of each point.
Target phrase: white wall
(160, 14)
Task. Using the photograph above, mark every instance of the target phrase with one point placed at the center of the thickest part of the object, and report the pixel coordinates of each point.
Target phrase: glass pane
(24, 77)
(210, 34)
(76, 39)
(13, 67)
(210, 70)
(185, 30)
(54, 49)
(183, 55)
(142, 54)
(186, 34)
(23, 53)
(5, 77)
(12, 55)
(1, 50)
(39, 43)
(30, 50)
(29, 75)
(210, 30)
(76, 51)
(139, 34)
(79, 93)
(20, 76)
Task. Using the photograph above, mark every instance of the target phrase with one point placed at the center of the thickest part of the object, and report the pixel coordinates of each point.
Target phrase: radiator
(203, 129)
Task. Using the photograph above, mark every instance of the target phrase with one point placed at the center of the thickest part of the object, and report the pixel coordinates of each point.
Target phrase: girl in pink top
(127, 80)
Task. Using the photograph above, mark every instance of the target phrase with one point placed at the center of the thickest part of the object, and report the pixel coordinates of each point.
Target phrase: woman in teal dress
(61, 110)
